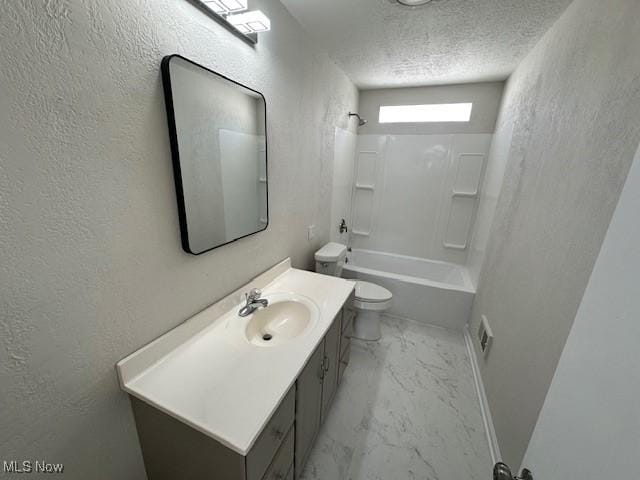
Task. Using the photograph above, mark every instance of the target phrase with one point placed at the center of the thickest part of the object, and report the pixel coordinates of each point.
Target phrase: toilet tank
(330, 259)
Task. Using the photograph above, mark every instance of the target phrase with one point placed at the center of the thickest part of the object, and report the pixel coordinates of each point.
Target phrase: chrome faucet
(254, 302)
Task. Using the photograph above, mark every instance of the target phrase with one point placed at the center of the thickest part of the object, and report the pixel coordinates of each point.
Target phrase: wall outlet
(485, 335)
(311, 232)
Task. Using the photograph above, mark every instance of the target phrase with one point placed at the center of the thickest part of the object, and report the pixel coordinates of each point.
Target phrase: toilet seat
(370, 292)
(372, 297)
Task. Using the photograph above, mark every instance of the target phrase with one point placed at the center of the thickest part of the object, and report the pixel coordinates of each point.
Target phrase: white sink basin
(207, 373)
(288, 316)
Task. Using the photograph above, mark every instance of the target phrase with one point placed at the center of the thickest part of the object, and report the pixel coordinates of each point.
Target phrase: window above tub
(431, 113)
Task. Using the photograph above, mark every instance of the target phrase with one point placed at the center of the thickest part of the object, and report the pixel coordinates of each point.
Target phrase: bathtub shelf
(360, 186)
(455, 246)
(360, 233)
(465, 194)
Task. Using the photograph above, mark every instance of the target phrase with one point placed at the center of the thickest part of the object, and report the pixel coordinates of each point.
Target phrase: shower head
(361, 121)
(412, 3)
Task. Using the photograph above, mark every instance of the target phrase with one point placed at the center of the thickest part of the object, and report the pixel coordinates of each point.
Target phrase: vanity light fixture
(253, 21)
(235, 16)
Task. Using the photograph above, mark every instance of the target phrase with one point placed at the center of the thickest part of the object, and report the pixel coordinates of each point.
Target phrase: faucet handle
(254, 294)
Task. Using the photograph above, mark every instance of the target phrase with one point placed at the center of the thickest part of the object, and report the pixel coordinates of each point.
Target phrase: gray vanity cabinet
(330, 377)
(348, 317)
(315, 389)
(308, 407)
(266, 448)
(173, 450)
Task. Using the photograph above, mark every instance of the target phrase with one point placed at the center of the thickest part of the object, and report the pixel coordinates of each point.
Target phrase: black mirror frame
(175, 151)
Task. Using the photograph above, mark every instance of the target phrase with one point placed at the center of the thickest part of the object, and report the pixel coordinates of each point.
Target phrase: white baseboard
(492, 439)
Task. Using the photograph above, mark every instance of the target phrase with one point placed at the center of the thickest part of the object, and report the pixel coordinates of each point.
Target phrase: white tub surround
(438, 293)
(442, 174)
(208, 375)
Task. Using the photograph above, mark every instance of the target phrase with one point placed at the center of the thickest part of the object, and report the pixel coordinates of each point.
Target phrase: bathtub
(428, 291)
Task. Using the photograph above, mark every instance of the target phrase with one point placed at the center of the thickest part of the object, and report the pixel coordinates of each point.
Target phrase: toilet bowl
(370, 299)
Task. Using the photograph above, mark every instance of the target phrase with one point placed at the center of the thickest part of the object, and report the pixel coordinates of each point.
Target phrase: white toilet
(370, 300)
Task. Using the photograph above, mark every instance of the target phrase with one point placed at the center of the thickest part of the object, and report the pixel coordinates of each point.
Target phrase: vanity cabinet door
(348, 317)
(331, 351)
(344, 361)
(308, 407)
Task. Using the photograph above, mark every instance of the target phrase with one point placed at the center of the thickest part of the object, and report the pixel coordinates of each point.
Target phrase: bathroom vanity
(228, 397)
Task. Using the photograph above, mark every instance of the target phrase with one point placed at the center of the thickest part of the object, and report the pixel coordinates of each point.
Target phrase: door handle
(322, 370)
(501, 471)
(278, 434)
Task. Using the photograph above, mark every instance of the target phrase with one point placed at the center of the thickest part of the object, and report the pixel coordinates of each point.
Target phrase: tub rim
(467, 287)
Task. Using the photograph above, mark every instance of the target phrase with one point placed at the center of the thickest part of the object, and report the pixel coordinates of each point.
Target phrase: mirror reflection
(218, 137)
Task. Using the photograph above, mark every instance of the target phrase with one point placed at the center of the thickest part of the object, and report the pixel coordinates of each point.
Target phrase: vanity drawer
(282, 465)
(344, 361)
(267, 444)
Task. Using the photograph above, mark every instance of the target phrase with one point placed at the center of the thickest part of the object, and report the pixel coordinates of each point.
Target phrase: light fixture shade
(243, 29)
(234, 5)
(216, 6)
(224, 7)
(254, 20)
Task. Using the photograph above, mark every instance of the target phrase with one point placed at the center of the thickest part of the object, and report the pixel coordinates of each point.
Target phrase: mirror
(217, 129)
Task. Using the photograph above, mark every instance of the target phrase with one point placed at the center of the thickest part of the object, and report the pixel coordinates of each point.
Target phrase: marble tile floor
(406, 409)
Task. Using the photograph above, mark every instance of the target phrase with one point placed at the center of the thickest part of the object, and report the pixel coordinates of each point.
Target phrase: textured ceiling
(380, 43)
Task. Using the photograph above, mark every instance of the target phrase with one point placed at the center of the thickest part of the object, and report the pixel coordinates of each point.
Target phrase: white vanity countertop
(206, 373)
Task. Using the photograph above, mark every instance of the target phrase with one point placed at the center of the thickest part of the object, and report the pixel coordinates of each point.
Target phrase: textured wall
(484, 96)
(590, 420)
(91, 265)
(575, 108)
(489, 192)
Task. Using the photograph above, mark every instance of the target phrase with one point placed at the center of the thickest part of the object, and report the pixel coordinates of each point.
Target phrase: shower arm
(361, 121)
